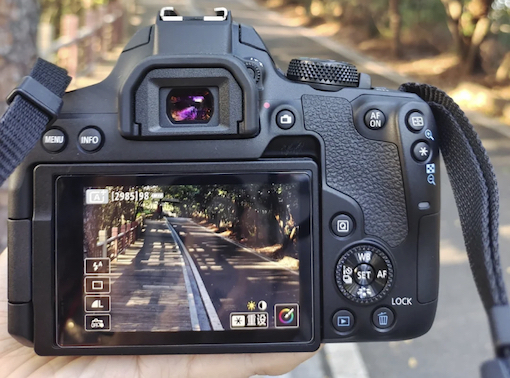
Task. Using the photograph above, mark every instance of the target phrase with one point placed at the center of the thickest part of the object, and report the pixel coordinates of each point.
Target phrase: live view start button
(54, 140)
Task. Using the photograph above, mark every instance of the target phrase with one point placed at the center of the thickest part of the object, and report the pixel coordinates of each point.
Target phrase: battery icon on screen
(96, 196)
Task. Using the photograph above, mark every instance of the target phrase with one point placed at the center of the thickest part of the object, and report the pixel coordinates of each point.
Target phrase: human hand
(17, 360)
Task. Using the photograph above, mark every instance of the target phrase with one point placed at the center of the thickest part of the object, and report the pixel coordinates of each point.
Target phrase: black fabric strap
(24, 121)
(476, 194)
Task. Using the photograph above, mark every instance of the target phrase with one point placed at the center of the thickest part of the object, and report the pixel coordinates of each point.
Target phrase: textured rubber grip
(366, 170)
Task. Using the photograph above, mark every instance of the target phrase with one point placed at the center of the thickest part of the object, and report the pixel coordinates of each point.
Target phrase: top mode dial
(323, 72)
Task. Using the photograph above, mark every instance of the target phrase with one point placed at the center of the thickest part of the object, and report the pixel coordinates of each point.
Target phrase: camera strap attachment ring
(39, 96)
(33, 106)
(169, 14)
(221, 15)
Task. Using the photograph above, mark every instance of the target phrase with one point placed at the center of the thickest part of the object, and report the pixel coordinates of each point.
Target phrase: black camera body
(200, 201)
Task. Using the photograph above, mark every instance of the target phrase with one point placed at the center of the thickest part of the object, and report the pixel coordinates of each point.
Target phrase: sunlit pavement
(149, 291)
(232, 274)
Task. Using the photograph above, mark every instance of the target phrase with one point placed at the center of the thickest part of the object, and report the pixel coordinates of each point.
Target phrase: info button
(90, 139)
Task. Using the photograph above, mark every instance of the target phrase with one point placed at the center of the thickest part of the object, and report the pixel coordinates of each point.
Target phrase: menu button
(54, 140)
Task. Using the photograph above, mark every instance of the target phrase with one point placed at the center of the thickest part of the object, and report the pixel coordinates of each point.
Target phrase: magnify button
(428, 135)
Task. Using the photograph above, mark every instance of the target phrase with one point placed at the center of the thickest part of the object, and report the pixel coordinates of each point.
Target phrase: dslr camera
(199, 200)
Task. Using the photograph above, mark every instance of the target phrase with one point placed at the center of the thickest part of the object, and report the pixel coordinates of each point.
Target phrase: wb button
(342, 225)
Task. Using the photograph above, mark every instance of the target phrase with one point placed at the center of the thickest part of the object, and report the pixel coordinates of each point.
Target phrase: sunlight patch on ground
(451, 255)
(427, 66)
(504, 231)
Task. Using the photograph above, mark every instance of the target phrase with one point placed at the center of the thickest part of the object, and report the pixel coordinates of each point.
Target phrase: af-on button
(375, 119)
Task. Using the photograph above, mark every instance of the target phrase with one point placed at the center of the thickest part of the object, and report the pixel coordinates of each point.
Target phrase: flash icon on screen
(96, 196)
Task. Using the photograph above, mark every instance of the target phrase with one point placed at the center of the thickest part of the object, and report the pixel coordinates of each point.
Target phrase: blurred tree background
(261, 216)
(478, 31)
(72, 33)
(463, 40)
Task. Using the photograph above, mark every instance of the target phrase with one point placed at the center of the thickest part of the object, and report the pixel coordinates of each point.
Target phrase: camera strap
(475, 190)
(34, 105)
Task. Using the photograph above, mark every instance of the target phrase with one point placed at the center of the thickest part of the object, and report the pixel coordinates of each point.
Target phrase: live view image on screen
(206, 257)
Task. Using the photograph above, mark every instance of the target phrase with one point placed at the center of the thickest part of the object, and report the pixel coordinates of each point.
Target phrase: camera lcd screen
(183, 255)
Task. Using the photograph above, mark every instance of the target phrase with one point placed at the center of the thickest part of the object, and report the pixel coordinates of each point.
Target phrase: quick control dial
(325, 72)
(364, 274)
(254, 67)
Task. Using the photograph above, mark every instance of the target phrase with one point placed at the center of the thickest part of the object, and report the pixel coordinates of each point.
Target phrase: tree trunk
(469, 24)
(503, 72)
(18, 50)
(395, 27)
(454, 10)
(472, 62)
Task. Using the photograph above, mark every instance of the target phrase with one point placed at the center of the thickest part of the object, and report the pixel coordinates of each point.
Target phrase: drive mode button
(54, 140)
(90, 139)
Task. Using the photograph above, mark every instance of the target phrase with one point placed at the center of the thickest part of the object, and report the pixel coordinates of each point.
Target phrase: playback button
(343, 321)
